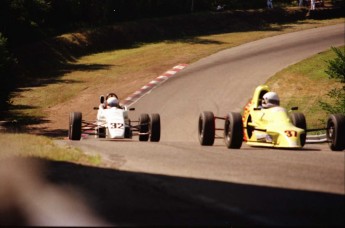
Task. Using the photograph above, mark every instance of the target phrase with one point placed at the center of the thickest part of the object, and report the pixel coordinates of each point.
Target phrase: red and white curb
(152, 84)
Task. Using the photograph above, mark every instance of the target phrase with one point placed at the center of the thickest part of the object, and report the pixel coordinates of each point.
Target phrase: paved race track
(216, 185)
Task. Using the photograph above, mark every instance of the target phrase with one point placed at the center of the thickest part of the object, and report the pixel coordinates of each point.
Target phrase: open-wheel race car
(113, 122)
(264, 123)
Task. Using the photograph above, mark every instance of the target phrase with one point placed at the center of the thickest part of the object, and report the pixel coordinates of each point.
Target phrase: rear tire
(298, 119)
(144, 122)
(336, 132)
(155, 128)
(233, 130)
(74, 130)
(206, 128)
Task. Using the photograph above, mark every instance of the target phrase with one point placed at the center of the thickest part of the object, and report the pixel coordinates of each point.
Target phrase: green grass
(26, 145)
(300, 85)
(120, 65)
(304, 84)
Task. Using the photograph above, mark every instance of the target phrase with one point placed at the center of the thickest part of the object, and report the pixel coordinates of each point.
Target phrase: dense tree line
(23, 21)
(7, 78)
(26, 21)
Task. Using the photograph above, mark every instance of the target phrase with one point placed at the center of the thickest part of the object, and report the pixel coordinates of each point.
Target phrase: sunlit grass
(42, 147)
(304, 84)
(300, 85)
(139, 61)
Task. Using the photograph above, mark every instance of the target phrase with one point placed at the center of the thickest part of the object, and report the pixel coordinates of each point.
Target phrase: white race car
(114, 123)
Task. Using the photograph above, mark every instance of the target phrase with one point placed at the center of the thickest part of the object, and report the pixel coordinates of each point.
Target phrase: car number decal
(291, 133)
(116, 125)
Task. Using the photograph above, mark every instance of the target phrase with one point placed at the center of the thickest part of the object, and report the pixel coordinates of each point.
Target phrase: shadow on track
(127, 198)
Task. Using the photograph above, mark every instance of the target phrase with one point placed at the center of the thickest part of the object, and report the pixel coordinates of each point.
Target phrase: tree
(336, 70)
(6, 75)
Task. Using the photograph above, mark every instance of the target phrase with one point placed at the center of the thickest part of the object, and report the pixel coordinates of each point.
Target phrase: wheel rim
(228, 136)
(227, 131)
(201, 130)
(330, 132)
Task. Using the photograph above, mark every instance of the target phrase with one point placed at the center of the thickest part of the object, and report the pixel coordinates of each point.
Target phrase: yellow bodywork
(270, 127)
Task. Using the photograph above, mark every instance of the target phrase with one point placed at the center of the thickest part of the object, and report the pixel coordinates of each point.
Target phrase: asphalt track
(195, 185)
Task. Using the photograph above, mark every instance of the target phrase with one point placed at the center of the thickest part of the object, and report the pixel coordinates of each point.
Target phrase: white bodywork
(114, 120)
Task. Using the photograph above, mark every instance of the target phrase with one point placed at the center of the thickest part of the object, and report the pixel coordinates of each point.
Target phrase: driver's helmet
(270, 99)
(112, 102)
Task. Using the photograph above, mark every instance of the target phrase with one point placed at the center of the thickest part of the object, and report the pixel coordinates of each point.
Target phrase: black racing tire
(155, 127)
(74, 130)
(128, 133)
(144, 126)
(101, 132)
(128, 130)
(298, 119)
(336, 132)
(250, 129)
(206, 128)
(233, 130)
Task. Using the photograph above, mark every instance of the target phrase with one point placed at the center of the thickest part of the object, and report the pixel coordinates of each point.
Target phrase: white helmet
(112, 102)
(270, 99)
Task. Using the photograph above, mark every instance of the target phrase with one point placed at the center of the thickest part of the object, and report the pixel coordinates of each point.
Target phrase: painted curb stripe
(152, 84)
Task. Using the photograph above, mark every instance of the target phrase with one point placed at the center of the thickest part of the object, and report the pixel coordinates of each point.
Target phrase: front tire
(128, 133)
(155, 128)
(233, 130)
(336, 132)
(144, 122)
(206, 128)
(74, 130)
(101, 132)
(298, 119)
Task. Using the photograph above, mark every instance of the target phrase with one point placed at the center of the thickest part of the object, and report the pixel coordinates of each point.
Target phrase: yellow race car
(265, 123)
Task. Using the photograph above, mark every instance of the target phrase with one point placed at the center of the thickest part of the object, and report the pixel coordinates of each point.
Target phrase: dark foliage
(336, 70)
(24, 24)
(7, 78)
(25, 21)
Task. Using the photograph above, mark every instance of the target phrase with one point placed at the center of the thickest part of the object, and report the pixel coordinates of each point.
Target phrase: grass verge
(304, 84)
(26, 145)
(129, 68)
